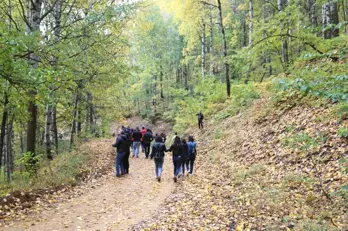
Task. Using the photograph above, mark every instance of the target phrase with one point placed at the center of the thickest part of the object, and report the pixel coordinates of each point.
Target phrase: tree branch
(209, 4)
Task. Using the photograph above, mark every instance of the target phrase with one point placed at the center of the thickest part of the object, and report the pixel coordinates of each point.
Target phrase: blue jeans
(159, 166)
(119, 163)
(136, 148)
(177, 165)
(189, 165)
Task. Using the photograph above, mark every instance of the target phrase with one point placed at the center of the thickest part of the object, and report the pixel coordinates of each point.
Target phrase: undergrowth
(65, 168)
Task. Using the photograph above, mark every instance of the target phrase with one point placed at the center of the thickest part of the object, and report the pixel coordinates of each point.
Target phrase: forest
(71, 69)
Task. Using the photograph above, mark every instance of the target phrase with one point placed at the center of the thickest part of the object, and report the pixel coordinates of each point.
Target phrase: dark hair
(143, 127)
(183, 141)
(148, 130)
(176, 133)
(190, 138)
(177, 140)
(158, 139)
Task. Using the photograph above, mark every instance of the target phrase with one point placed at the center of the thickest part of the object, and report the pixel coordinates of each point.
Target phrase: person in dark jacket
(192, 152)
(147, 139)
(158, 149)
(185, 156)
(177, 151)
(164, 137)
(121, 149)
(136, 136)
(200, 120)
(126, 157)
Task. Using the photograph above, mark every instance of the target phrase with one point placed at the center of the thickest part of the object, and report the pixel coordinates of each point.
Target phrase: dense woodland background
(69, 69)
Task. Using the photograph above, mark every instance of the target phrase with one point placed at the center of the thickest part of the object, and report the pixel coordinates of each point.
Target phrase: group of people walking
(183, 152)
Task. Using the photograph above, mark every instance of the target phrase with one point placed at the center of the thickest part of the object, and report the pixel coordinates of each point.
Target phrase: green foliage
(343, 132)
(242, 95)
(64, 169)
(31, 162)
(333, 88)
(303, 142)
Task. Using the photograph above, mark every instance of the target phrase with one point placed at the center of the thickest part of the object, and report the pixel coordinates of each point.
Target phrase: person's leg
(160, 167)
(188, 165)
(147, 150)
(122, 157)
(183, 167)
(126, 163)
(156, 167)
(177, 166)
(136, 148)
(192, 162)
(118, 164)
(133, 149)
(174, 165)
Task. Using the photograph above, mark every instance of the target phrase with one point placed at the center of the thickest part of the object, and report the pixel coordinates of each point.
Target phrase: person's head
(122, 127)
(156, 134)
(148, 130)
(113, 134)
(158, 139)
(191, 139)
(183, 141)
(177, 140)
(143, 128)
(137, 128)
(122, 132)
(176, 133)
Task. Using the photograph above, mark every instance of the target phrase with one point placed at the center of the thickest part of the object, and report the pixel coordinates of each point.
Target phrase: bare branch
(209, 4)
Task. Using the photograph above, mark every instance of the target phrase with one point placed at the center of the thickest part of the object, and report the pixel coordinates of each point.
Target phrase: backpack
(158, 154)
(201, 117)
(192, 153)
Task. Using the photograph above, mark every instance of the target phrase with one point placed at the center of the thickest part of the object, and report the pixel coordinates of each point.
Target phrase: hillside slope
(253, 174)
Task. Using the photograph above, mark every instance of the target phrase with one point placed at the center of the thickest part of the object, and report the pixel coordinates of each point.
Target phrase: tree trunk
(91, 112)
(79, 117)
(55, 129)
(73, 124)
(330, 20)
(224, 51)
(251, 14)
(34, 19)
(203, 49)
(8, 153)
(265, 50)
(285, 52)
(48, 129)
(3, 129)
(312, 13)
(211, 51)
(344, 14)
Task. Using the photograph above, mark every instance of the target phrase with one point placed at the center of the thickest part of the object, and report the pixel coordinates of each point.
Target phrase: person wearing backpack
(126, 157)
(191, 154)
(185, 156)
(147, 139)
(158, 149)
(177, 151)
(200, 120)
(137, 136)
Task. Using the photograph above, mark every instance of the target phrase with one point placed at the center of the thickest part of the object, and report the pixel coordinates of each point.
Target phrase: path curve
(109, 203)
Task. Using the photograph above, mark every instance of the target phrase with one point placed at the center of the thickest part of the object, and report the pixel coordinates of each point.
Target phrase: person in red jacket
(143, 131)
